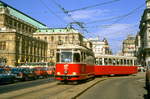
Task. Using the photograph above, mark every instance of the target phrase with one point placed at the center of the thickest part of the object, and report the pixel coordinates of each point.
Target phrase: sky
(110, 19)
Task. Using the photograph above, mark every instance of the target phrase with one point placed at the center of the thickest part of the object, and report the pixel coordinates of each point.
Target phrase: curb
(79, 89)
(87, 89)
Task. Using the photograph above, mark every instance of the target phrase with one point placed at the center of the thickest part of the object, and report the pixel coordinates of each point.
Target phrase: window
(10, 22)
(19, 25)
(2, 45)
(73, 37)
(76, 57)
(52, 38)
(97, 62)
(15, 23)
(57, 57)
(59, 37)
(100, 61)
(66, 38)
(45, 38)
(66, 57)
(105, 61)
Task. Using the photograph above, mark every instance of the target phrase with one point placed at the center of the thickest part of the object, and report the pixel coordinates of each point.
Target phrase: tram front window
(66, 57)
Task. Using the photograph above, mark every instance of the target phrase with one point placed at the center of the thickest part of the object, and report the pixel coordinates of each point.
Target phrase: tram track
(27, 90)
(54, 90)
(22, 85)
(48, 90)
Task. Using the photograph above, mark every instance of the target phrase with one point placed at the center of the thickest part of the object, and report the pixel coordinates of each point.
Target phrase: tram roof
(116, 56)
(73, 46)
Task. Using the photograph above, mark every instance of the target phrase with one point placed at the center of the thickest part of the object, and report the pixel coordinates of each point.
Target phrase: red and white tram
(115, 65)
(74, 63)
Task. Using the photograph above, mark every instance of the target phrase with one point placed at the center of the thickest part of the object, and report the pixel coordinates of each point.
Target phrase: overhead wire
(119, 18)
(80, 24)
(92, 6)
(130, 13)
(53, 12)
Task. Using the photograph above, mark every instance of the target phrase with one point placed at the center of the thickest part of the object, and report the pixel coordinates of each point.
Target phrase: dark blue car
(6, 76)
(24, 74)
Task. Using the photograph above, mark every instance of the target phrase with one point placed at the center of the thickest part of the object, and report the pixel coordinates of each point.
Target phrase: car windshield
(66, 57)
(1, 71)
(14, 70)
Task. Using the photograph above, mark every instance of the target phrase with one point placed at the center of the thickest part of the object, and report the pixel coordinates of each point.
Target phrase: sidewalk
(141, 74)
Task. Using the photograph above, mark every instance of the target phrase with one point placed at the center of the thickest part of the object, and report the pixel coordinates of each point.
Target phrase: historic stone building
(100, 47)
(59, 36)
(129, 46)
(144, 50)
(17, 44)
(138, 47)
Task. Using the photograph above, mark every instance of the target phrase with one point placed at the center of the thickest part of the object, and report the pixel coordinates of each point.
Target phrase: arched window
(59, 37)
(73, 37)
(52, 38)
(66, 38)
(45, 38)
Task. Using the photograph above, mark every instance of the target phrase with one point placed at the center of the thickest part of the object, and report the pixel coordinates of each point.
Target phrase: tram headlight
(74, 73)
(58, 73)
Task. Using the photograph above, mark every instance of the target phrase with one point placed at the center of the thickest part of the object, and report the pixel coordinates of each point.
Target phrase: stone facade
(100, 47)
(59, 36)
(144, 50)
(129, 46)
(17, 44)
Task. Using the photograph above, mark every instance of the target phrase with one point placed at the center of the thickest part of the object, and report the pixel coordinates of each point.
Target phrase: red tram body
(74, 63)
(115, 65)
(115, 70)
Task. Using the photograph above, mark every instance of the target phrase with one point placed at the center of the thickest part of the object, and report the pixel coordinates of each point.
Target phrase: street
(122, 87)
(130, 87)
(22, 85)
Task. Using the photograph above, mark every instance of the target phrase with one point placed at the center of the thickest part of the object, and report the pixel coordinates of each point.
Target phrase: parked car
(24, 73)
(38, 72)
(50, 71)
(6, 76)
(43, 72)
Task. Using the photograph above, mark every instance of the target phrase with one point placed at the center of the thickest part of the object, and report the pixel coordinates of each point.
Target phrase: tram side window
(105, 61)
(100, 61)
(97, 62)
(76, 57)
(121, 61)
(58, 57)
(131, 62)
(89, 59)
